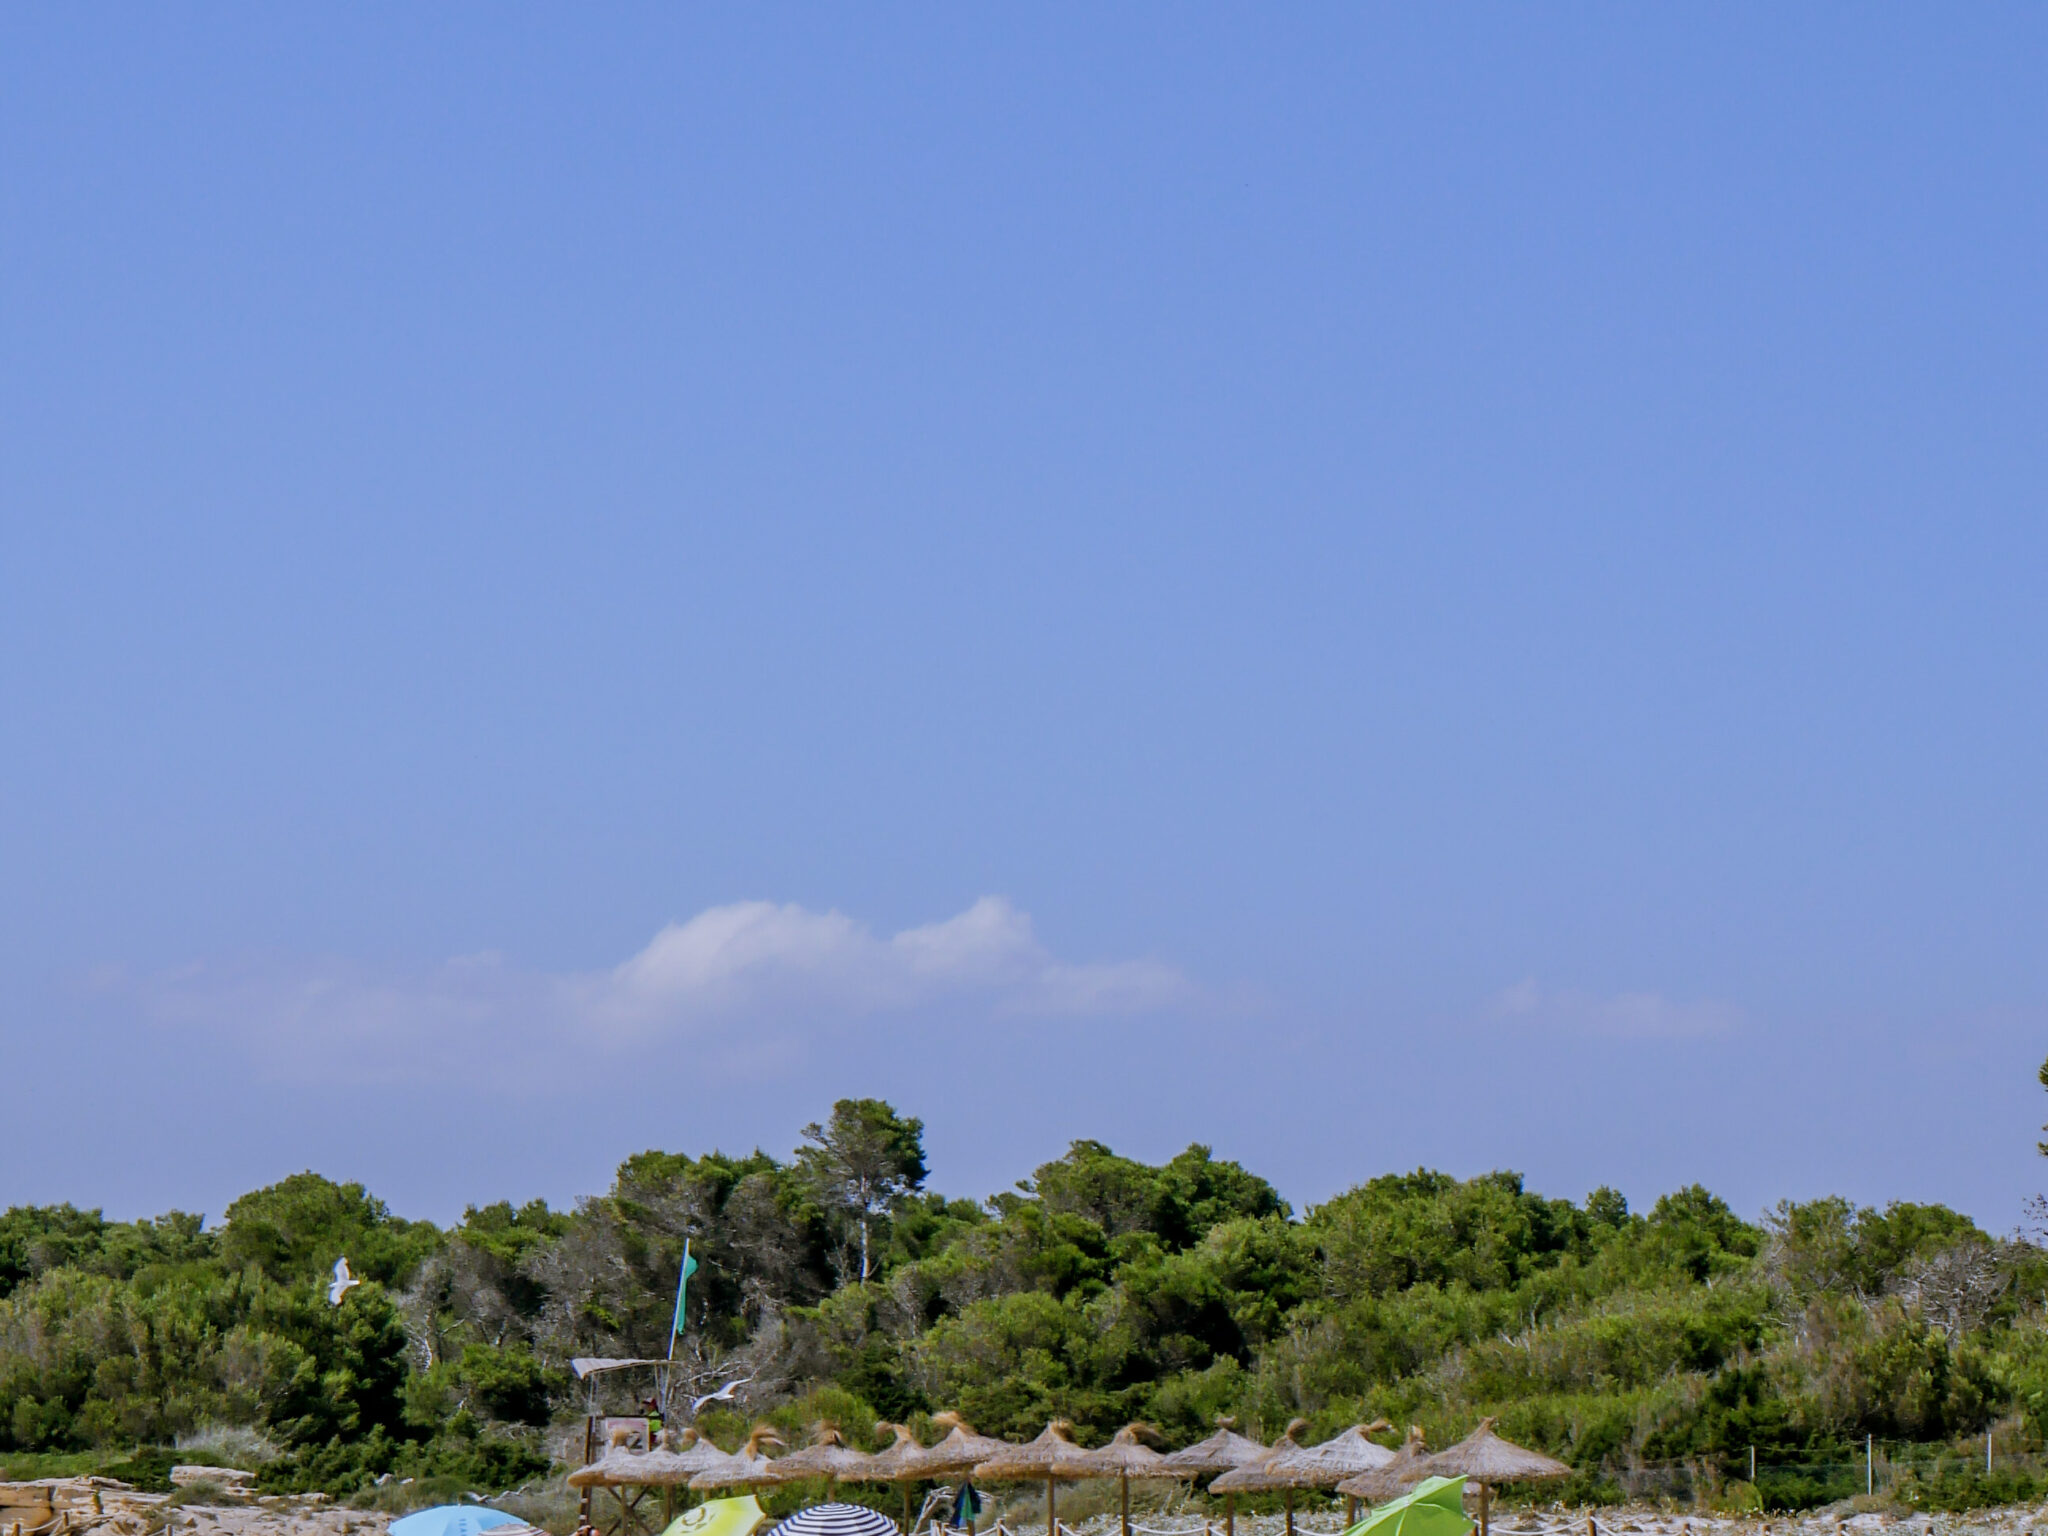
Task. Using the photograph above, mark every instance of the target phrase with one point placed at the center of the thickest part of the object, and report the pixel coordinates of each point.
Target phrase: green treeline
(1100, 1289)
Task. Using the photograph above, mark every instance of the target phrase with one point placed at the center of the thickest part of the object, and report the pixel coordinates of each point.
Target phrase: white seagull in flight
(722, 1395)
(342, 1283)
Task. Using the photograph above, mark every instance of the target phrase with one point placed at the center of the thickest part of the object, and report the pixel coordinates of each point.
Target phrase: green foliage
(148, 1469)
(1101, 1289)
(37, 1239)
(296, 1229)
(860, 1166)
(1177, 1203)
(1959, 1483)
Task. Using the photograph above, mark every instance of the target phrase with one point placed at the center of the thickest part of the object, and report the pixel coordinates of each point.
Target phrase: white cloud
(750, 984)
(1623, 1015)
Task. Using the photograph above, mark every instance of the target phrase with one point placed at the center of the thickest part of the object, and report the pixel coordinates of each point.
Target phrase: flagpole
(682, 1279)
(676, 1325)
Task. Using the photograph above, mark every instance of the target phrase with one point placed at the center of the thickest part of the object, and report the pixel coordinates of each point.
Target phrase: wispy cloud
(747, 984)
(1622, 1015)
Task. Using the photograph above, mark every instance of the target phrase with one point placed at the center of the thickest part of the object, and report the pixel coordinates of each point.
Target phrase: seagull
(723, 1395)
(342, 1283)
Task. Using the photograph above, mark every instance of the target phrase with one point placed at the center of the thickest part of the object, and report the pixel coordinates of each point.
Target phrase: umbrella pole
(1126, 1481)
(589, 1455)
(1485, 1510)
(906, 1507)
(1350, 1510)
(1051, 1518)
(1230, 1514)
(1290, 1512)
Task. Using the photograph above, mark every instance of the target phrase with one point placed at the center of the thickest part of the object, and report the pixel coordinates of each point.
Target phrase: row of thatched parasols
(1350, 1463)
(1367, 1472)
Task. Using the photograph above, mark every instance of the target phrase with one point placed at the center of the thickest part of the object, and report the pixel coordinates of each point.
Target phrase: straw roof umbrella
(895, 1463)
(619, 1469)
(1126, 1457)
(961, 1451)
(958, 1454)
(1221, 1452)
(749, 1467)
(827, 1456)
(616, 1468)
(1394, 1477)
(695, 1452)
(1487, 1459)
(1262, 1476)
(1053, 1456)
(1328, 1463)
(680, 1457)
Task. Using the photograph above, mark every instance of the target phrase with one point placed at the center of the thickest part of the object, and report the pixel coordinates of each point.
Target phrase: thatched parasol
(748, 1468)
(1259, 1476)
(668, 1466)
(1223, 1451)
(1125, 1457)
(1486, 1459)
(1329, 1462)
(896, 1463)
(827, 1456)
(616, 1468)
(1394, 1477)
(1219, 1453)
(695, 1452)
(1053, 1456)
(961, 1451)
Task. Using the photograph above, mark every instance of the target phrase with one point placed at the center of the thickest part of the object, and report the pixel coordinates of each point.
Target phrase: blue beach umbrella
(452, 1520)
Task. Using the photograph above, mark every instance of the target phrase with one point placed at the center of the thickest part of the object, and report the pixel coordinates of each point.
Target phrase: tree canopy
(1100, 1288)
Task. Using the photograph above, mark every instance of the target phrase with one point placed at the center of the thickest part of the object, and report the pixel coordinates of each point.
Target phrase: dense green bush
(1100, 1289)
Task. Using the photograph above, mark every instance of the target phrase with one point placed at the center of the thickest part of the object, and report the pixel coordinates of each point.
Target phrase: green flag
(682, 1281)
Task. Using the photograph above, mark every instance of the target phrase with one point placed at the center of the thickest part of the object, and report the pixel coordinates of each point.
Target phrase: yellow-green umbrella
(1435, 1507)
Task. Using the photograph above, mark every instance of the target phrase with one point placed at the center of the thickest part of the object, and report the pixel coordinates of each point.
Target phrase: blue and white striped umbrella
(836, 1520)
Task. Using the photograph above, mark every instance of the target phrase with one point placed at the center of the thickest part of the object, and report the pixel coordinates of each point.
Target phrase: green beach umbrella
(1436, 1507)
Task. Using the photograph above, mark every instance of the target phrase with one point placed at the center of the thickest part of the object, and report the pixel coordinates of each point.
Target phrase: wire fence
(1880, 1469)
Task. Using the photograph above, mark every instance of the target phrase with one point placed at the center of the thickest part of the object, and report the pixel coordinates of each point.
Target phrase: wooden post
(1051, 1517)
(1230, 1514)
(589, 1441)
(1350, 1510)
(1126, 1480)
(1485, 1505)
(1290, 1514)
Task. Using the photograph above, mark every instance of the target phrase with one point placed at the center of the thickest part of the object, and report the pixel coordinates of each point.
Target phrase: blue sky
(1368, 586)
